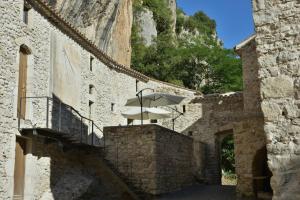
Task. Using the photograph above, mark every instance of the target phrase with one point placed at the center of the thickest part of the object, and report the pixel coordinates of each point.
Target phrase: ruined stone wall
(155, 159)
(278, 49)
(218, 115)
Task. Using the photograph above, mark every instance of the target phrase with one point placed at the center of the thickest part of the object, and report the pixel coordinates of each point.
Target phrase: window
(136, 85)
(153, 121)
(183, 109)
(91, 89)
(91, 63)
(129, 121)
(112, 106)
(26, 9)
(90, 109)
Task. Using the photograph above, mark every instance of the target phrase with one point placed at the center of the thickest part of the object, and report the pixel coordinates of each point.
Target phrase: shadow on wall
(261, 173)
(66, 170)
(67, 120)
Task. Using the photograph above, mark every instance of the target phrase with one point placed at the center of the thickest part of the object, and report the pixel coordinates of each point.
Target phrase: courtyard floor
(203, 192)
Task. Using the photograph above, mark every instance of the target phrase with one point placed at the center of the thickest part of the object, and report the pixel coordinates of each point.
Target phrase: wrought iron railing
(51, 113)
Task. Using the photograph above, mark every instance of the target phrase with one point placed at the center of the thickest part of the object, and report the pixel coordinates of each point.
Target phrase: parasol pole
(140, 93)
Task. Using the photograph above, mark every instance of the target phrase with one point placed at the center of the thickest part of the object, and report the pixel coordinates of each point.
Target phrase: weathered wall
(248, 139)
(55, 171)
(218, 115)
(248, 134)
(278, 49)
(155, 159)
(110, 86)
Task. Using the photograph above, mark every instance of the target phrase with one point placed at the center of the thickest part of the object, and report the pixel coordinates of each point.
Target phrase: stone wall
(55, 171)
(248, 134)
(218, 115)
(278, 49)
(155, 159)
(248, 139)
(111, 87)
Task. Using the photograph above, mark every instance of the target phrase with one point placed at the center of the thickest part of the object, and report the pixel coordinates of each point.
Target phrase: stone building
(59, 91)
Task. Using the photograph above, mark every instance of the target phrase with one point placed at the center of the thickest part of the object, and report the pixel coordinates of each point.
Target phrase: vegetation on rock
(191, 57)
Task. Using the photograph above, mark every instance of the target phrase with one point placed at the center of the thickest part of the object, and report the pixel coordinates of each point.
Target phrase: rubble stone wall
(249, 135)
(155, 159)
(218, 115)
(278, 49)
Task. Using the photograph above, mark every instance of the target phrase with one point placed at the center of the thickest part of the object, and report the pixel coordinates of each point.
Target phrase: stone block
(277, 87)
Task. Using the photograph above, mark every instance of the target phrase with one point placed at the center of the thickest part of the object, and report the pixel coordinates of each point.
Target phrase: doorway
(19, 171)
(227, 158)
(261, 175)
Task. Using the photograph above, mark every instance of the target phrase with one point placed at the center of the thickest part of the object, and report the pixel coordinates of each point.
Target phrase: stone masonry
(218, 115)
(58, 66)
(155, 159)
(278, 50)
(248, 134)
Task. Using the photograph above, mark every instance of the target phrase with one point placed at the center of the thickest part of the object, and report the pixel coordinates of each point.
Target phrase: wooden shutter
(22, 84)
(19, 174)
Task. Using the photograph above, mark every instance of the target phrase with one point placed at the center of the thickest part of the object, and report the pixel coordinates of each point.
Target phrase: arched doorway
(261, 175)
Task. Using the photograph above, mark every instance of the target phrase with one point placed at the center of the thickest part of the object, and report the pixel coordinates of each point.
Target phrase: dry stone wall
(155, 159)
(278, 49)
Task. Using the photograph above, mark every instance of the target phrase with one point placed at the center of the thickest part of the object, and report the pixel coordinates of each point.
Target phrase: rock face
(173, 6)
(147, 26)
(106, 22)
(278, 48)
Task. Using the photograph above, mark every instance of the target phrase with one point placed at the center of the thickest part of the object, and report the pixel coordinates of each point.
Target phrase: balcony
(52, 118)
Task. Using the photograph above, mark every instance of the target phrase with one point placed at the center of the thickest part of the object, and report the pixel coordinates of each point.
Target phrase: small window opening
(137, 85)
(153, 121)
(190, 133)
(112, 107)
(129, 121)
(26, 9)
(90, 109)
(183, 109)
(91, 89)
(91, 63)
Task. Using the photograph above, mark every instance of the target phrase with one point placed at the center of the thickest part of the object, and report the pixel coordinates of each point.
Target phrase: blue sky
(233, 17)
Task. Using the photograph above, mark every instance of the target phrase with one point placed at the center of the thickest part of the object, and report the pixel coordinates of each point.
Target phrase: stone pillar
(278, 49)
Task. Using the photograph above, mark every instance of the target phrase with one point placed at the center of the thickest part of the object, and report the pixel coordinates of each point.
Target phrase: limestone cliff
(106, 22)
(173, 6)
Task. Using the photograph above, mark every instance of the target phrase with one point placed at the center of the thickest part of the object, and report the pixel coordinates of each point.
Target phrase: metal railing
(51, 113)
